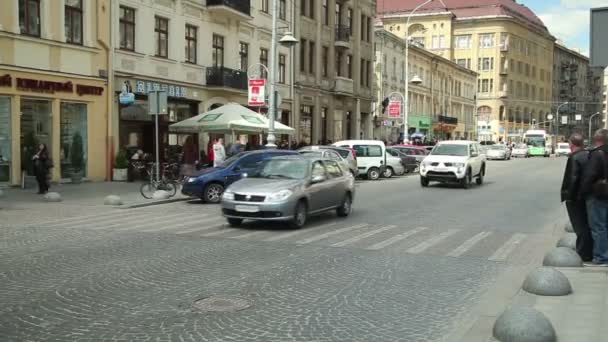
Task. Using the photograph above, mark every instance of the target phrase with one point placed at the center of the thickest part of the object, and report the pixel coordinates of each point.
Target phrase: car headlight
(279, 196)
(458, 165)
(228, 196)
(191, 179)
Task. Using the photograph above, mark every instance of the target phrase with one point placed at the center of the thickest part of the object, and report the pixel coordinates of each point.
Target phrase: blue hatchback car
(209, 184)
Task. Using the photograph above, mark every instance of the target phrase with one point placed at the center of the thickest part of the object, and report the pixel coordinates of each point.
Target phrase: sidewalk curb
(159, 202)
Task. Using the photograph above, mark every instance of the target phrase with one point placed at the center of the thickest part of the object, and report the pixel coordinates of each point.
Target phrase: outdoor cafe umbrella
(229, 118)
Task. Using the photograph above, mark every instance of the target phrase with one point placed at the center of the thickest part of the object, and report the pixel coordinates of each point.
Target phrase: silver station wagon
(290, 189)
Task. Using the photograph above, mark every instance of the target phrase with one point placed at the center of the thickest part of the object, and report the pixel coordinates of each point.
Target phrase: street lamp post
(556, 129)
(591, 123)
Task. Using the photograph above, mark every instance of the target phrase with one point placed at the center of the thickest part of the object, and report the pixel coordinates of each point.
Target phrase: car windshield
(522, 146)
(497, 147)
(311, 153)
(283, 168)
(228, 162)
(563, 146)
(537, 141)
(450, 150)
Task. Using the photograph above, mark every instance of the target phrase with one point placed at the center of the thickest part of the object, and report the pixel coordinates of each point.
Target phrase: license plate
(441, 169)
(246, 208)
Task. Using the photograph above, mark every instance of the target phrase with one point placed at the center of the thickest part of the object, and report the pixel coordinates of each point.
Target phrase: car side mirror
(318, 179)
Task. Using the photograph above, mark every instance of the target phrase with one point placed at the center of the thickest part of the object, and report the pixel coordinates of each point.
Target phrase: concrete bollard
(112, 200)
(52, 197)
(547, 281)
(1, 193)
(523, 324)
(568, 241)
(562, 257)
(568, 228)
(160, 195)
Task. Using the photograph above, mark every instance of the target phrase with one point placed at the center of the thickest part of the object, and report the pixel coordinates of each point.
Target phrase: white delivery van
(371, 156)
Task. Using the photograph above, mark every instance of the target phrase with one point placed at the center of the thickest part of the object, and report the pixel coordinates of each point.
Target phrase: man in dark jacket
(571, 194)
(597, 203)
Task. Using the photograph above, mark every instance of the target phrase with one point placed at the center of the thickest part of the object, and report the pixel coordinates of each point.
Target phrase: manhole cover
(222, 304)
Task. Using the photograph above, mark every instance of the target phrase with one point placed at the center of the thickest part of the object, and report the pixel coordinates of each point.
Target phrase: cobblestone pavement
(404, 267)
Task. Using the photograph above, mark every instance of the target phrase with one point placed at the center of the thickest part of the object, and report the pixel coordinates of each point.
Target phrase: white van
(563, 149)
(370, 154)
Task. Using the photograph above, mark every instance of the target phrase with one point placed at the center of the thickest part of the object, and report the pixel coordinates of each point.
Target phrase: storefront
(443, 128)
(68, 115)
(419, 124)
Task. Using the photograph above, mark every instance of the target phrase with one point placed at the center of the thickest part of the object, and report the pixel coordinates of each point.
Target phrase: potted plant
(121, 165)
(76, 158)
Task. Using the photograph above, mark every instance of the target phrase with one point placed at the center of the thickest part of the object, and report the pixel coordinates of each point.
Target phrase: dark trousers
(43, 183)
(577, 212)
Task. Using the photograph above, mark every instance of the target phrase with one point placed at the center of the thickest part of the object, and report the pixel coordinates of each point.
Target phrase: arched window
(484, 113)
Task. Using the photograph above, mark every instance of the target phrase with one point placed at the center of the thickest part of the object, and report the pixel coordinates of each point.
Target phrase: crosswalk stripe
(460, 250)
(220, 232)
(396, 238)
(423, 246)
(67, 220)
(250, 234)
(331, 233)
(196, 229)
(362, 236)
(503, 252)
(80, 221)
(193, 220)
(107, 223)
(299, 232)
(126, 225)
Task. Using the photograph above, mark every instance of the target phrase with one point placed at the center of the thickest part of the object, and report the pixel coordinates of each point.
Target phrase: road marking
(362, 236)
(148, 222)
(299, 232)
(331, 233)
(396, 238)
(115, 213)
(468, 244)
(220, 232)
(503, 252)
(423, 246)
(192, 230)
(195, 220)
(250, 234)
(80, 221)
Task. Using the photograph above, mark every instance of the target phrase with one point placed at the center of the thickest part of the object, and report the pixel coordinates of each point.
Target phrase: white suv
(456, 161)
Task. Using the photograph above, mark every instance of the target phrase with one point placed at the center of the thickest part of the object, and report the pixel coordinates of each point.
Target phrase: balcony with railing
(226, 77)
(238, 9)
(343, 34)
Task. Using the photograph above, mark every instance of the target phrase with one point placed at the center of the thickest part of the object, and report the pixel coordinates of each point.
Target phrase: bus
(537, 141)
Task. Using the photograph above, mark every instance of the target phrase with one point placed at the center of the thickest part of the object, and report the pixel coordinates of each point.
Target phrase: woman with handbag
(42, 164)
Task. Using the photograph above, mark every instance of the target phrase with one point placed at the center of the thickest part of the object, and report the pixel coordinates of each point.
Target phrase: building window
(265, 5)
(349, 66)
(127, 28)
(362, 72)
(311, 57)
(325, 60)
(325, 13)
(464, 62)
(485, 85)
(264, 61)
(418, 41)
(486, 40)
(161, 31)
(527, 69)
(442, 44)
(5, 137)
(73, 129)
(311, 9)
(339, 56)
(369, 29)
(29, 17)
(303, 44)
(349, 18)
(306, 124)
(363, 31)
(73, 21)
(244, 56)
(435, 42)
(463, 42)
(217, 51)
(303, 8)
(191, 32)
(282, 9)
(338, 14)
(282, 60)
(369, 74)
(520, 67)
(485, 63)
(402, 71)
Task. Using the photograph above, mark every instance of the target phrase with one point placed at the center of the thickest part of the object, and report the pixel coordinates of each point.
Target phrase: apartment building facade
(441, 107)
(502, 40)
(54, 61)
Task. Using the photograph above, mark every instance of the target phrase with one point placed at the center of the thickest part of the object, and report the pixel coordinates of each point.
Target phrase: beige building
(54, 58)
(441, 107)
(501, 39)
(333, 70)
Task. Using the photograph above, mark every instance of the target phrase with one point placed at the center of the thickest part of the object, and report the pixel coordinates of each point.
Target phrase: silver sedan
(290, 189)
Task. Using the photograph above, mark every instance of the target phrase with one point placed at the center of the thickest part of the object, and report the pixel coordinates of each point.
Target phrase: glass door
(36, 128)
(5, 139)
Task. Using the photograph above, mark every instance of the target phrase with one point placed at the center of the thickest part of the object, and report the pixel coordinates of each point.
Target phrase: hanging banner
(257, 89)
(394, 109)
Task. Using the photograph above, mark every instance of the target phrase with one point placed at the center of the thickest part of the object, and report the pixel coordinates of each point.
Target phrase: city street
(410, 264)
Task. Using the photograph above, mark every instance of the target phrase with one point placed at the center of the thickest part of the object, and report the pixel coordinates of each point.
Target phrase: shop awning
(231, 117)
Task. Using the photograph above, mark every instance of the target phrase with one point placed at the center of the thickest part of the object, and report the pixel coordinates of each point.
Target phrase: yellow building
(505, 42)
(53, 86)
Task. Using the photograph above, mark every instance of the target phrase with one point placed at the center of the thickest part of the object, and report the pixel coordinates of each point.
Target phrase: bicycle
(148, 189)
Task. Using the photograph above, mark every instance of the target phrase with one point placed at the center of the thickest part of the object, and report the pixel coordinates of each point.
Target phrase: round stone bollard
(562, 257)
(547, 281)
(52, 197)
(568, 241)
(523, 324)
(1, 193)
(160, 195)
(568, 228)
(112, 200)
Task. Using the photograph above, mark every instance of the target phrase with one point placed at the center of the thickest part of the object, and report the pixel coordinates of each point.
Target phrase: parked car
(395, 163)
(209, 184)
(408, 162)
(345, 156)
(498, 151)
(520, 151)
(371, 156)
(563, 149)
(417, 152)
(290, 189)
(454, 161)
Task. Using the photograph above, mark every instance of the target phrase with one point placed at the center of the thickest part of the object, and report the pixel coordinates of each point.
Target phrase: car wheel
(299, 216)
(466, 181)
(346, 207)
(424, 182)
(213, 193)
(388, 172)
(482, 173)
(234, 222)
(373, 173)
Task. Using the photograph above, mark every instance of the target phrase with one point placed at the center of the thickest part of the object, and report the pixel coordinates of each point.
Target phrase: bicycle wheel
(147, 190)
(169, 186)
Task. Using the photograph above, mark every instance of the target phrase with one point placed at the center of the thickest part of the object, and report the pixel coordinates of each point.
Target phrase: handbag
(600, 188)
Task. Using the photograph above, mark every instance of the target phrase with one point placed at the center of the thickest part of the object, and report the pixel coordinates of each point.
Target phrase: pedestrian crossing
(327, 232)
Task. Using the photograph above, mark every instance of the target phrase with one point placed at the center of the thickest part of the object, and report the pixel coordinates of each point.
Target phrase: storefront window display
(305, 125)
(36, 128)
(5, 139)
(73, 128)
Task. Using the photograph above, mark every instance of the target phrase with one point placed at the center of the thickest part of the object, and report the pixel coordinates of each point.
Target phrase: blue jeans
(597, 212)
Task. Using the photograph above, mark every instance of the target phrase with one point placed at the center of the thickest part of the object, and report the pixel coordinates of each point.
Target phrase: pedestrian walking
(236, 148)
(571, 195)
(219, 152)
(42, 165)
(594, 187)
(190, 156)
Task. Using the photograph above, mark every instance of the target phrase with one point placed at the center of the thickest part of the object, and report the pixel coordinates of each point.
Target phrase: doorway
(36, 128)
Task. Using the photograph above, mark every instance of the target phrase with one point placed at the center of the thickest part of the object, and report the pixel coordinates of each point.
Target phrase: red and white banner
(257, 89)
(394, 109)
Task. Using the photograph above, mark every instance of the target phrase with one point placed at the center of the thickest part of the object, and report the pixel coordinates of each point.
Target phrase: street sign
(578, 117)
(256, 92)
(394, 109)
(157, 102)
(564, 119)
